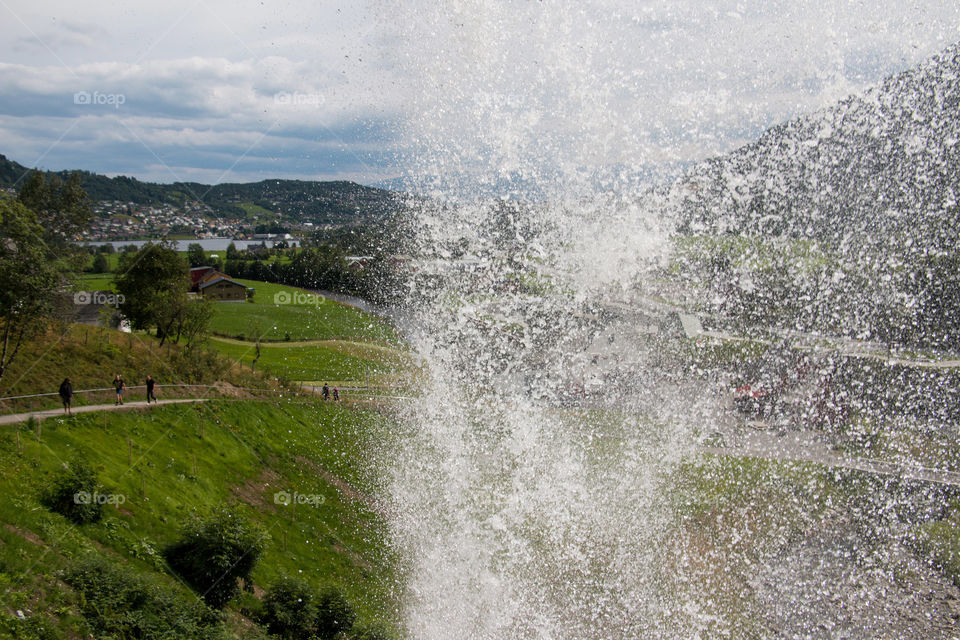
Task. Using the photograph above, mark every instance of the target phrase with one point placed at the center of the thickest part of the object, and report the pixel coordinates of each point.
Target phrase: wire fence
(105, 395)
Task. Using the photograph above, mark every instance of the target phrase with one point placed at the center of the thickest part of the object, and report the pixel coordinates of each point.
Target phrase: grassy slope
(307, 317)
(249, 450)
(329, 360)
(90, 357)
(328, 341)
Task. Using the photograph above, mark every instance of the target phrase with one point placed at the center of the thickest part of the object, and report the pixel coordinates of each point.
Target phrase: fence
(81, 397)
(106, 395)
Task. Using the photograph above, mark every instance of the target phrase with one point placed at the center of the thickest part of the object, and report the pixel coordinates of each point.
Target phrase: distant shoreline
(208, 244)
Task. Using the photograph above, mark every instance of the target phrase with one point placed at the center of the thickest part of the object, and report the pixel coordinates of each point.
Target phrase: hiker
(150, 383)
(66, 393)
(119, 386)
(326, 392)
(336, 394)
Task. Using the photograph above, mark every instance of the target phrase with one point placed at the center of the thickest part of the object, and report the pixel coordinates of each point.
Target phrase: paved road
(14, 418)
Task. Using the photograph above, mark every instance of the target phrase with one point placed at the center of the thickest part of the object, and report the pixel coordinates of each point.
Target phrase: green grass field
(331, 360)
(278, 312)
(171, 461)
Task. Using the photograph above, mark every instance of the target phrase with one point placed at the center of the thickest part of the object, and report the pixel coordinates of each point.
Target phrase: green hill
(297, 201)
(170, 462)
(250, 447)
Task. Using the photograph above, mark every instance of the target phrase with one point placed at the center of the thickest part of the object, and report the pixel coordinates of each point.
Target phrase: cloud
(496, 87)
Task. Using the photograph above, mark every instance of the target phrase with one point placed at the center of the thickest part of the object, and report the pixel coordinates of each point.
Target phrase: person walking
(336, 394)
(150, 384)
(119, 386)
(66, 394)
(326, 392)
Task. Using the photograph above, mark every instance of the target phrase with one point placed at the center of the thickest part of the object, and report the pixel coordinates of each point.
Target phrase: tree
(214, 553)
(29, 279)
(73, 493)
(334, 614)
(289, 610)
(100, 263)
(153, 283)
(196, 256)
(62, 207)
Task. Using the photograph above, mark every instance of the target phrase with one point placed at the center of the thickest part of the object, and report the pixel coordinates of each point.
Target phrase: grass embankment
(286, 313)
(91, 356)
(335, 361)
(172, 461)
(730, 513)
(308, 338)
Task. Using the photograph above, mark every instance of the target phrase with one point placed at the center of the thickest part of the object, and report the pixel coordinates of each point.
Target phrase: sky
(215, 91)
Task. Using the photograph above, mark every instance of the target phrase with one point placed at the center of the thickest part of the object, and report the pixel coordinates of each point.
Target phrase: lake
(208, 244)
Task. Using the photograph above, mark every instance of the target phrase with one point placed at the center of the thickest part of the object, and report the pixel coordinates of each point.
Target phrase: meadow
(169, 462)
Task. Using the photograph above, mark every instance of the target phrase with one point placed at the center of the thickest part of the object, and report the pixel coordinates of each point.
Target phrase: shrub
(334, 614)
(119, 603)
(72, 493)
(368, 633)
(289, 610)
(214, 553)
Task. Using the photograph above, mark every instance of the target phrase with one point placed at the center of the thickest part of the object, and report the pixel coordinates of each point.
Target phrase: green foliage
(100, 263)
(119, 603)
(27, 628)
(289, 609)
(334, 614)
(196, 256)
(72, 493)
(147, 279)
(62, 206)
(29, 278)
(215, 553)
(939, 542)
(368, 633)
(153, 283)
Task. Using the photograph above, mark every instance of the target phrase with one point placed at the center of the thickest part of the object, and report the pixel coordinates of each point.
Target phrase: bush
(119, 603)
(334, 614)
(72, 493)
(289, 610)
(368, 633)
(214, 553)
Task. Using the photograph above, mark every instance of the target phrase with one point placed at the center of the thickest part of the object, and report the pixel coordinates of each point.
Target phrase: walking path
(806, 446)
(14, 418)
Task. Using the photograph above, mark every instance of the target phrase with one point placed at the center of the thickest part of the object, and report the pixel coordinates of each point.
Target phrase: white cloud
(496, 85)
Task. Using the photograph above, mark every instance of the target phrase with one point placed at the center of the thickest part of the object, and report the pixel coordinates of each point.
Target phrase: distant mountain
(845, 220)
(284, 201)
(884, 165)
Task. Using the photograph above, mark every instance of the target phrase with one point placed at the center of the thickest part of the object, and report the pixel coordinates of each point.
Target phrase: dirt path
(808, 446)
(14, 418)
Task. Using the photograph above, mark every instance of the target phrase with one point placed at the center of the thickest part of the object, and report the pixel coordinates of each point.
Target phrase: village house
(212, 284)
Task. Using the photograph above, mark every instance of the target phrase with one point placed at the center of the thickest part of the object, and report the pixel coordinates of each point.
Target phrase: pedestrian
(326, 392)
(66, 393)
(336, 394)
(150, 384)
(119, 386)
